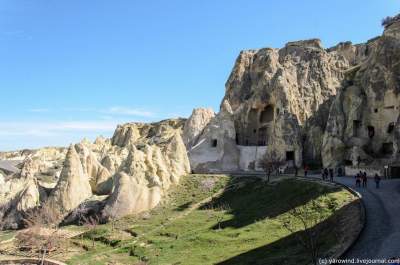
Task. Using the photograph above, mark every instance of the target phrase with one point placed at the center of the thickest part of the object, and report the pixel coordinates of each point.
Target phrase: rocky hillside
(307, 105)
(126, 174)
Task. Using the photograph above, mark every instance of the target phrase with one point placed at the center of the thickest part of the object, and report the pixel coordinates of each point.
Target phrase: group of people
(361, 179)
(327, 173)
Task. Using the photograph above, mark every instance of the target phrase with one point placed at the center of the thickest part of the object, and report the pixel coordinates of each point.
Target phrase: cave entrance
(290, 156)
(214, 143)
(252, 127)
(371, 131)
(387, 148)
(390, 127)
(267, 115)
(395, 172)
(356, 128)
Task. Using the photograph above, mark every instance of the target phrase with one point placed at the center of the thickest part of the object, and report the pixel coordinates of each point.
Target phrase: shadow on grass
(183, 207)
(258, 200)
(289, 251)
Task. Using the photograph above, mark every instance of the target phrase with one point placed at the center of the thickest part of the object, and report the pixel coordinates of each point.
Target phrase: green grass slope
(219, 220)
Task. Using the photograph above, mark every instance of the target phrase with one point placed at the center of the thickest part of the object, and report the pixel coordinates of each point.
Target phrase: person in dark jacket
(326, 173)
(377, 180)
(358, 180)
(305, 170)
(364, 180)
(340, 172)
(331, 174)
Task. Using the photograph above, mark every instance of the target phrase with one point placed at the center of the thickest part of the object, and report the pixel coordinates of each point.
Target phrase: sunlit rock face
(275, 100)
(19, 193)
(363, 123)
(134, 169)
(194, 126)
(73, 186)
(146, 177)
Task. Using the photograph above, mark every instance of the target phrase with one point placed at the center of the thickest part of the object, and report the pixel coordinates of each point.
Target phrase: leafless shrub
(217, 212)
(303, 222)
(207, 184)
(271, 162)
(91, 223)
(42, 235)
(387, 21)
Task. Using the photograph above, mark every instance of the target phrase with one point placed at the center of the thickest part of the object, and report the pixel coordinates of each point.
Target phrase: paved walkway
(381, 235)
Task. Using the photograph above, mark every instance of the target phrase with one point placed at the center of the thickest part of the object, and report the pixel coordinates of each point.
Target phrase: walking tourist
(377, 180)
(331, 174)
(340, 172)
(358, 180)
(364, 180)
(325, 173)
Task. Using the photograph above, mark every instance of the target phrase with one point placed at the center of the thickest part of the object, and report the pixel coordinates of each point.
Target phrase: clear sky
(71, 68)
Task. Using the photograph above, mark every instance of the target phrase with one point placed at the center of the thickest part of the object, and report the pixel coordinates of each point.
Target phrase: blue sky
(71, 69)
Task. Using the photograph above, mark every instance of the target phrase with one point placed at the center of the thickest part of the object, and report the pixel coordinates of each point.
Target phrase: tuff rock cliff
(126, 174)
(308, 105)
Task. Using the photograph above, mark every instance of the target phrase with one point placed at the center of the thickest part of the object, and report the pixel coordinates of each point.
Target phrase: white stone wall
(352, 171)
(249, 154)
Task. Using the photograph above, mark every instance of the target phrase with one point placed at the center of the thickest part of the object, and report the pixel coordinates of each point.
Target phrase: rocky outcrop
(100, 178)
(215, 149)
(278, 100)
(195, 125)
(146, 133)
(364, 115)
(146, 177)
(73, 186)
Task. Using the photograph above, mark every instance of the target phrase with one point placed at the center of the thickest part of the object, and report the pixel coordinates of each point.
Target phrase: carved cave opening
(290, 156)
(390, 127)
(267, 115)
(356, 128)
(371, 131)
(387, 148)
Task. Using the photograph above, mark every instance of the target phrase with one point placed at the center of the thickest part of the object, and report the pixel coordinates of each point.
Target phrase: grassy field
(218, 220)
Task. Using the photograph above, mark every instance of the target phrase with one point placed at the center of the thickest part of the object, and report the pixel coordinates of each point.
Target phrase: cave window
(356, 127)
(350, 82)
(390, 127)
(267, 115)
(289, 155)
(371, 131)
(262, 137)
(389, 107)
(214, 143)
(387, 148)
(277, 111)
(254, 131)
(376, 110)
(237, 138)
(348, 163)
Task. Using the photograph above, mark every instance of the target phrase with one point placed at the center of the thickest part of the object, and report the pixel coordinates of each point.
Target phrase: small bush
(387, 21)
(139, 252)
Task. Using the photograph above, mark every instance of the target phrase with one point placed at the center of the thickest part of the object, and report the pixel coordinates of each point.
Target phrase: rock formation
(195, 125)
(361, 129)
(134, 169)
(146, 176)
(310, 105)
(73, 186)
(303, 103)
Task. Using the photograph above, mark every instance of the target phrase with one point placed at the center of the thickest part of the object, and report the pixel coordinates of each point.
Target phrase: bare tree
(91, 223)
(304, 221)
(42, 234)
(207, 184)
(270, 162)
(217, 212)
